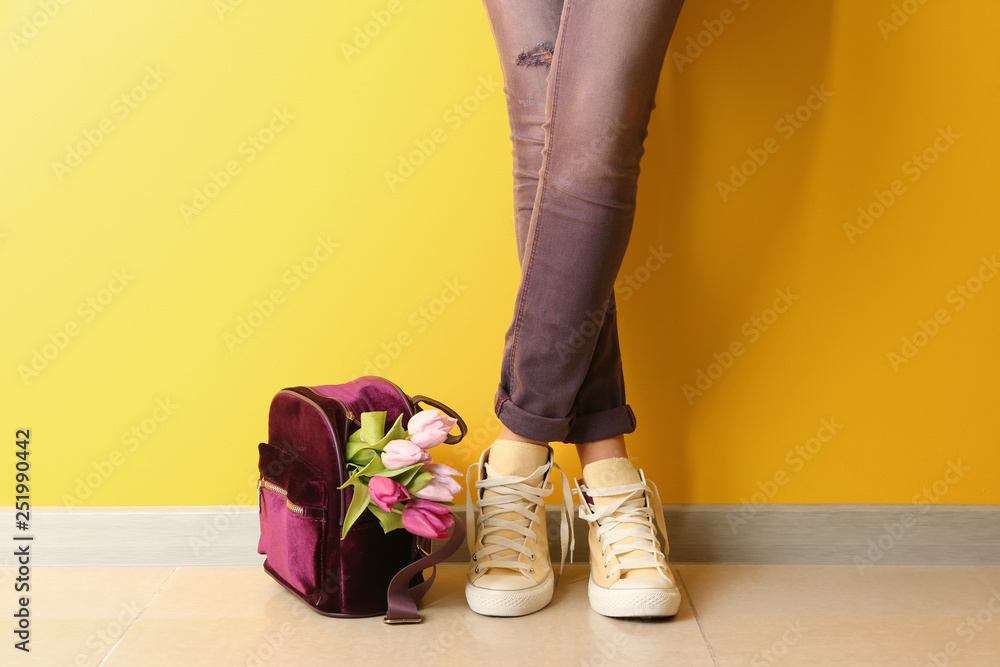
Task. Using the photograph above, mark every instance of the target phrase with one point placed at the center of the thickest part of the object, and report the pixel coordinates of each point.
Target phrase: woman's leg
(561, 373)
(561, 377)
(525, 33)
(510, 572)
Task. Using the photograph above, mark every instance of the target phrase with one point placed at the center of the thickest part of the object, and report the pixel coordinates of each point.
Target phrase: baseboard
(819, 534)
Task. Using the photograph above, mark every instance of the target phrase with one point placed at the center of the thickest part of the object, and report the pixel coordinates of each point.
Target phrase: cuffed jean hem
(600, 425)
(574, 429)
(529, 425)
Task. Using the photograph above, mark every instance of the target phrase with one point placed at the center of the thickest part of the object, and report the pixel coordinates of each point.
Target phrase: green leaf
(397, 432)
(358, 505)
(359, 452)
(401, 475)
(372, 468)
(364, 456)
(389, 520)
(372, 426)
(419, 481)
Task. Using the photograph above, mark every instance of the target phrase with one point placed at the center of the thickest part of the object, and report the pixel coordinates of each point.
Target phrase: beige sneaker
(510, 573)
(629, 573)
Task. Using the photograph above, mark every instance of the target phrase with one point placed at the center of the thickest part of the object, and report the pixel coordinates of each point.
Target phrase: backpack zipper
(271, 486)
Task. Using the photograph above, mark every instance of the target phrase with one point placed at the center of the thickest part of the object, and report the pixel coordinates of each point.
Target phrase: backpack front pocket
(292, 508)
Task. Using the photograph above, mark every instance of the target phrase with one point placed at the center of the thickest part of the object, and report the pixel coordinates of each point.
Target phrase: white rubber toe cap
(508, 602)
(631, 602)
(505, 582)
(634, 583)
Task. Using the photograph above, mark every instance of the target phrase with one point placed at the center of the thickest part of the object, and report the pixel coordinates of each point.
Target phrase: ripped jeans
(580, 77)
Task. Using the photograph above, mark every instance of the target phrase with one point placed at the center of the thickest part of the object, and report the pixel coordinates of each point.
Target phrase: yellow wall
(133, 296)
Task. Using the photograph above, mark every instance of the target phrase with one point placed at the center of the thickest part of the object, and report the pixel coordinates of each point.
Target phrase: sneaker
(510, 572)
(629, 573)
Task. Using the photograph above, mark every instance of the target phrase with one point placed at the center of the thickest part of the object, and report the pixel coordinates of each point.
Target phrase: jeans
(580, 77)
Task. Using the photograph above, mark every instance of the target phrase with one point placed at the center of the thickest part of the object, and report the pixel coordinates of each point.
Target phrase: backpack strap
(402, 598)
(462, 428)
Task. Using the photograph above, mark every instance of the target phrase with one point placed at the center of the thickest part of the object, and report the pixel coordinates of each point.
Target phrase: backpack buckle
(398, 621)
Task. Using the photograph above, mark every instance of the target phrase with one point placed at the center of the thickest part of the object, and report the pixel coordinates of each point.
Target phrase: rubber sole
(489, 602)
(632, 603)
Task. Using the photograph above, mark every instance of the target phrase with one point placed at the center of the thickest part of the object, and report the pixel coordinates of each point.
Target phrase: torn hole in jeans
(541, 54)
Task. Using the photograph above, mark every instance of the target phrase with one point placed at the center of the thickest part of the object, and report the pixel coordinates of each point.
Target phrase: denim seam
(555, 70)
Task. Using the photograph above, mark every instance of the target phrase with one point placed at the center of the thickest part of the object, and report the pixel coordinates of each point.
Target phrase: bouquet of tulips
(393, 477)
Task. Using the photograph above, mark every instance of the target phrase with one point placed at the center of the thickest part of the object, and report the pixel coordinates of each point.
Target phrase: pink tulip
(401, 453)
(385, 492)
(427, 519)
(429, 428)
(442, 488)
(440, 470)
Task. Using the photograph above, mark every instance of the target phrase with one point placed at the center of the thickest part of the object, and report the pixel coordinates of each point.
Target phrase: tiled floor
(757, 615)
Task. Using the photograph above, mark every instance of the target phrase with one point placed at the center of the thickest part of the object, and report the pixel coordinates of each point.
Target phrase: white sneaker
(629, 573)
(510, 573)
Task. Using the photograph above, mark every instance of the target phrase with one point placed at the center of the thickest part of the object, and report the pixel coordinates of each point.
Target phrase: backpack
(302, 510)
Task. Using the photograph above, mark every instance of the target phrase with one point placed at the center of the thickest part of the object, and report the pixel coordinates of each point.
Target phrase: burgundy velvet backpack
(302, 510)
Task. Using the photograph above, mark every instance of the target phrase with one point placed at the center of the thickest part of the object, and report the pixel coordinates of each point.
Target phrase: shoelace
(514, 496)
(630, 508)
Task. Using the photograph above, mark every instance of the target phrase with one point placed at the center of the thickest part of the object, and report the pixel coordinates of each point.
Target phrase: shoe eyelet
(477, 569)
(532, 557)
(607, 576)
(531, 570)
(607, 564)
(474, 557)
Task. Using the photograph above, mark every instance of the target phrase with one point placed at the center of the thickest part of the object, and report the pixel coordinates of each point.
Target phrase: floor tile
(757, 615)
(76, 614)
(240, 616)
(835, 615)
